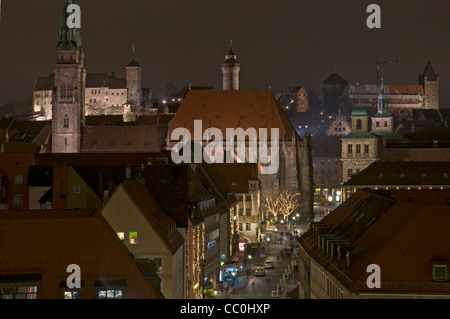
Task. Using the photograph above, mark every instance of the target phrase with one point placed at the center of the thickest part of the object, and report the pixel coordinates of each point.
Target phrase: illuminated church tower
(69, 86)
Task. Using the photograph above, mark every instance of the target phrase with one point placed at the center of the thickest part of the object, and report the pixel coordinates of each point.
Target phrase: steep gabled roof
(232, 109)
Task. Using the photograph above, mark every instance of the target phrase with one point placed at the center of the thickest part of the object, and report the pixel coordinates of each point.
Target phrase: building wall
(339, 126)
(124, 217)
(79, 194)
(15, 167)
(354, 162)
(249, 213)
(195, 250)
(212, 247)
(53, 244)
(432, 94)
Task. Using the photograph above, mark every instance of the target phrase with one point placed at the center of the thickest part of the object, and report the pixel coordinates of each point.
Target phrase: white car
(260, 271)
(268, 264)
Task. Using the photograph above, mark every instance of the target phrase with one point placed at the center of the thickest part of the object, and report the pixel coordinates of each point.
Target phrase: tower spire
(69, 38)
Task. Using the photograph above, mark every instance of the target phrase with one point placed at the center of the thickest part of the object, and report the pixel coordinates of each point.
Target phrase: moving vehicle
(260, 271)
(268, 264)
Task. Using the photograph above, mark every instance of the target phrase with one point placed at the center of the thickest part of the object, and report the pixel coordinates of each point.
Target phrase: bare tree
(283, 203)
(290, 201)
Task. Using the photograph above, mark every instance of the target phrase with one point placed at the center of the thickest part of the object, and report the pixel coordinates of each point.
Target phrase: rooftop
(402, 174)
(400, 237)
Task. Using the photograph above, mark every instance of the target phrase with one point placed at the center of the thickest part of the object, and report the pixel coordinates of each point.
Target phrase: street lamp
(268, 245)
(249, 260)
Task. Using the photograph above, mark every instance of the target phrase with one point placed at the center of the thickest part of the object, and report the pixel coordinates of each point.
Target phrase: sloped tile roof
(232, 109)
(137, 138)
(160, 222)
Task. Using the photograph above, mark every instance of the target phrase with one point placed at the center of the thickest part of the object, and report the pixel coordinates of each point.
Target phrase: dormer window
(440, 270)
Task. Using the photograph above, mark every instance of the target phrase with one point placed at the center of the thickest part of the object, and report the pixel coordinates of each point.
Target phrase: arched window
(63, 90)
(69, 90)
(358, 124)
(66, 121)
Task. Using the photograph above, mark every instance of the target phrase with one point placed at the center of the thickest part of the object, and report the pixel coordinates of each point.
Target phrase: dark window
(366, 148)
(358, 148)
(350, 148)
(66, 121)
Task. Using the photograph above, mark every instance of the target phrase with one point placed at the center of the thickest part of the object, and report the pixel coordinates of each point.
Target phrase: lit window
(18, 292)
(121, 236)
(133, 238)
(110, 294)
(72, 294)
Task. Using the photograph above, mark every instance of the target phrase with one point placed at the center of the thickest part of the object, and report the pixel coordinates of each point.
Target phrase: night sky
(280, 43)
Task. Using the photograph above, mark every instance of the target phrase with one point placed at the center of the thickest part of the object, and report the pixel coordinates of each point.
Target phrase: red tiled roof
(232, 109)
(401, 238)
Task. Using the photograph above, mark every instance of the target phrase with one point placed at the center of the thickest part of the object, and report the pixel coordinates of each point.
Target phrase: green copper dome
(359, 111)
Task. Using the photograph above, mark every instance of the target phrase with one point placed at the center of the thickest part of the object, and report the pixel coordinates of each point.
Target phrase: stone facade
(230, 71)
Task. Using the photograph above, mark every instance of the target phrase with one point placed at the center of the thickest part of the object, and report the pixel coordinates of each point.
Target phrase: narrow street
(262, 287)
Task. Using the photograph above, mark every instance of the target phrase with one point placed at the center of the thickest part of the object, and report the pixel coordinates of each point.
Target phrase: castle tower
(430, 82)
(68, 95)
(134, 83)
(382, 120)
(230, 71)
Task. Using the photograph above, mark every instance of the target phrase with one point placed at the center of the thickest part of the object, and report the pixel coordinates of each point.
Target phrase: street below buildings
(249, 286)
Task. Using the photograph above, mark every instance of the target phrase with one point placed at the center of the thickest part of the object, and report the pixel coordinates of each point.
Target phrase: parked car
(268, 264)
(260, 271)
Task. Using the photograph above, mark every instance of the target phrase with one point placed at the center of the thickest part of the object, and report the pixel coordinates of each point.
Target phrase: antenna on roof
(231, 43)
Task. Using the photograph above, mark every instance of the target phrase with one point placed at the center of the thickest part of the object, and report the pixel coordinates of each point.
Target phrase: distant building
(339, 126)
(327, 168)
(296, 100)
(359, 148)
(335, 89)
(409, 242)
(249, 109)
(402, 99)
(243, 181)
